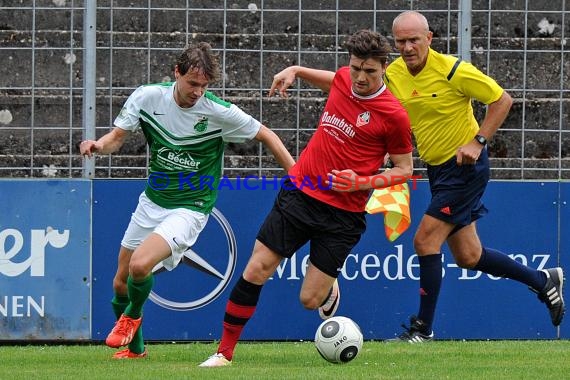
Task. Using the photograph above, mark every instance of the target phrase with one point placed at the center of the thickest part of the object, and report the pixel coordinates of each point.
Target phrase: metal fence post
(464, 30)
(89, 75)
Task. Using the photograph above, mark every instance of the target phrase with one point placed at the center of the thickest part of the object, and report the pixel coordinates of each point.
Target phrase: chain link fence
(521, 43)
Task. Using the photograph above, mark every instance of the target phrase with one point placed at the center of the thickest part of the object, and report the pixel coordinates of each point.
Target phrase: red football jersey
(354, 132)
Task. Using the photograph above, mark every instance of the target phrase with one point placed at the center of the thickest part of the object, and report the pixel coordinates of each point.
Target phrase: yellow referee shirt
(438, 101)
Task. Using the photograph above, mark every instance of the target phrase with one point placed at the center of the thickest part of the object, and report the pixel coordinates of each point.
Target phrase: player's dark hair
(366, 44)
(201, 57)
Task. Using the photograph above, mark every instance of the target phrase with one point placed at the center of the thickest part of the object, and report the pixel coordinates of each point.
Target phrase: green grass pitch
(487, 360)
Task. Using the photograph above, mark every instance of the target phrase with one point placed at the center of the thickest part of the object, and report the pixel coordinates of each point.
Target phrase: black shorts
(457, 190)
(297, 218)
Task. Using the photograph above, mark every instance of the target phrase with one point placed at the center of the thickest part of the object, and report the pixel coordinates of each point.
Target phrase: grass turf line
(515, 359)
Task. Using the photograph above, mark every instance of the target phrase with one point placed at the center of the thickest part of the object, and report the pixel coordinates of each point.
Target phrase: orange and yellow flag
(394, 203)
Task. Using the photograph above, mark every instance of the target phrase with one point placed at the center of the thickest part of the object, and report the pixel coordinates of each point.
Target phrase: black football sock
(498, 264)
(430, 284)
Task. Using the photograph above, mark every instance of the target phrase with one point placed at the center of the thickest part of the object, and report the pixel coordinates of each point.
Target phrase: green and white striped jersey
(186, 144)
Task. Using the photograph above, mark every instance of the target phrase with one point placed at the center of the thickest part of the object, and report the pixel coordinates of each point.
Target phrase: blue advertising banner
(563, 239)
(379, 282)
(45, 259)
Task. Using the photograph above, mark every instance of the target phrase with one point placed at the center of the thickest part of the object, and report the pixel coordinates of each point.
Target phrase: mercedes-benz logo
(196, 261)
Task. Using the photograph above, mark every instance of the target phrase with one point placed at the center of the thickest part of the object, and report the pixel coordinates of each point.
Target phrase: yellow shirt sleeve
(439, 102)
(473, 83)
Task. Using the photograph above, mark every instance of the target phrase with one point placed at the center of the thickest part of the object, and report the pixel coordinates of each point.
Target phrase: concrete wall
(41, 73)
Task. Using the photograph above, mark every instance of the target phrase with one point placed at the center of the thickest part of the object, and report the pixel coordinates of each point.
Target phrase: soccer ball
(338, 339)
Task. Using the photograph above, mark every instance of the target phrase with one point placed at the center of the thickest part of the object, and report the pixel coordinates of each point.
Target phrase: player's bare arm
(108, 143)
(496, 114)
(321, 79)
(401, 171)
(275, 145)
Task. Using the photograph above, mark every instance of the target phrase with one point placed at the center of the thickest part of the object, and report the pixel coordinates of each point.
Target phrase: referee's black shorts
(297, 218)
(456, 191)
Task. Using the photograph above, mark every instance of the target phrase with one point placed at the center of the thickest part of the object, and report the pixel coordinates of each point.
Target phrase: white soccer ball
(338, 339)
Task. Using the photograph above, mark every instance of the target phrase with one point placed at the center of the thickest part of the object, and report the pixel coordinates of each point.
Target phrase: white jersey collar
(371, 96)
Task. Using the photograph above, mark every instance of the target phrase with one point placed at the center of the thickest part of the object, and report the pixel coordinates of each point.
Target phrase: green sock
(119, 304)
(138, 294)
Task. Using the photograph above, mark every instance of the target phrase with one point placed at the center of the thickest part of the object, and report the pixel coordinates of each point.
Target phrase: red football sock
(234, 321)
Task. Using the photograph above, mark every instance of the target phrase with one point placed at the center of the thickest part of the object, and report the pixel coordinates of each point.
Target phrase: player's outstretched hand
(88, 147)
(282, 80)
(342, 180)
